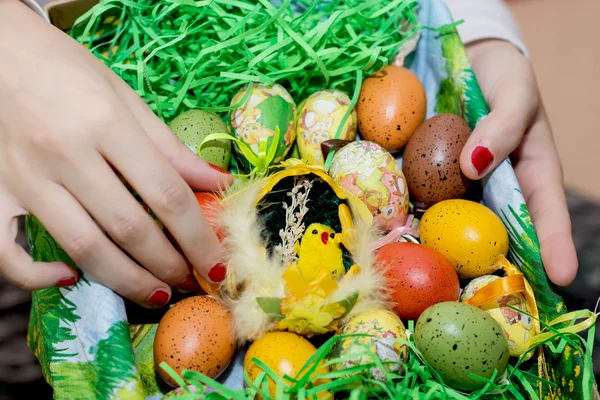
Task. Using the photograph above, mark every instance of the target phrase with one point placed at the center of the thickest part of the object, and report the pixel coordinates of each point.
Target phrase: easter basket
(93, 344)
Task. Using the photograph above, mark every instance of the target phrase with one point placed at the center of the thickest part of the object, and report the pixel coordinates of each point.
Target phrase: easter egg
(383, 327)
(284, 353)
(319, 117)
(417, 276)
(431, 160)
(193, 126)
(468, 234)
(391, 106)
(371, 173)
(267, 109)
(517, 327)
(457, 339)
(195, 334)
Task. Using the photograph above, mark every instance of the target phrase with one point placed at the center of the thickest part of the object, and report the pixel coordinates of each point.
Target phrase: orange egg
(391, 106)
(195, 334)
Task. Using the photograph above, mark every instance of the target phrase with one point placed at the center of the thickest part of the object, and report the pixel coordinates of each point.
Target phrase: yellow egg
(319, 117)
(468, 234)
(386, 327)
(518, 327)
(285, 353)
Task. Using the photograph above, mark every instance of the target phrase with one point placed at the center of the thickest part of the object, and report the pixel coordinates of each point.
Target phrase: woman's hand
(66, 124)
(518, 126)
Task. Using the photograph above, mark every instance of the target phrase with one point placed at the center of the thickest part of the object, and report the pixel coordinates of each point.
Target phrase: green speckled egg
(193, 126)
(457, 340)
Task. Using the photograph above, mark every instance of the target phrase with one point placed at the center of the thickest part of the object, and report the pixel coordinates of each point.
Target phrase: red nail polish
(159, 298)
(481, 158)
(188, 284)
(217, 273)
(66, 282)
(219, 169)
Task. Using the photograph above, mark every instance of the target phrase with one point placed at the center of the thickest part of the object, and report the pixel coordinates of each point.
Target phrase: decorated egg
(383, 328)
(518, 327)
(392, 104)
(372, 174)
(266, 109)
(195, 334)
(431, 160)
(457, 339)
(284, 353)
(319, 117)
(468, 234)
(193, 126)
(417, 276)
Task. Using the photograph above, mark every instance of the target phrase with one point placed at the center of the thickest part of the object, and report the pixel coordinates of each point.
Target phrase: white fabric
(37, 8)
(486, 19)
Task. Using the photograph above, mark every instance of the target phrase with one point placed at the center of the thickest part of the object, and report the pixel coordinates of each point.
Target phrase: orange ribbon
(501, 287)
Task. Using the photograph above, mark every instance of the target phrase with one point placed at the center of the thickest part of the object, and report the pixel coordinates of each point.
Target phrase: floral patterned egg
(373, 174)
(319, 118)
(266, 108)
(518, 327)
(384, 327)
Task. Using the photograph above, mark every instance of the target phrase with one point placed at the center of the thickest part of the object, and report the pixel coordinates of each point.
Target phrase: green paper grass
(418, 380)
(182, 54)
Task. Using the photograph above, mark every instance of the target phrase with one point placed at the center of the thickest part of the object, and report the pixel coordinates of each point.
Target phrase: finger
(513, 106)
(166, 193)
(545, 197)
(80, 237)
(20, 269)
(199, 174)
(107, 200)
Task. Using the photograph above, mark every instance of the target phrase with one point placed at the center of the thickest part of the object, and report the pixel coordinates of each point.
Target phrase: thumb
(513, 108)
(199, 174)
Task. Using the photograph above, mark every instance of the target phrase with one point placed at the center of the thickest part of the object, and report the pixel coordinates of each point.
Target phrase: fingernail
(159, 298)
(66, 282)
(481, 158)
(219, 169)
(217, 273)
(188, 284)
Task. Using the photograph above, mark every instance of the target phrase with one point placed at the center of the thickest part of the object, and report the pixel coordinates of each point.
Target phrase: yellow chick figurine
(318, 251)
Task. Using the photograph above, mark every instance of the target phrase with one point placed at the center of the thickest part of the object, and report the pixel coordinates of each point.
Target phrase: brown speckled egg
(195, 334)
(391, 106)
(431, 160)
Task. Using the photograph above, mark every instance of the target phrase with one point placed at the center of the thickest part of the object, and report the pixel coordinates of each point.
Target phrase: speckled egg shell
(468, 234)
(431, 160)
(195, 334)
(458, 339)
(391, 106)
(191, 127)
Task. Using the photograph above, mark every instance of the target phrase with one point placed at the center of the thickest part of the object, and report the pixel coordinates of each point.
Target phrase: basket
(89, 349)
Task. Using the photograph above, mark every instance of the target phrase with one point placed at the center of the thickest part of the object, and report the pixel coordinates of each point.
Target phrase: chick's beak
(324, 237)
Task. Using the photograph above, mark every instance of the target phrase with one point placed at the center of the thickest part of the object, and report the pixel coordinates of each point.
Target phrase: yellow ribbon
(590, 319)
(266, 152)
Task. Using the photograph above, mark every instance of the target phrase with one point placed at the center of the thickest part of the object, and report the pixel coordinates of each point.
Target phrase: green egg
(191, 127)
(457, 340)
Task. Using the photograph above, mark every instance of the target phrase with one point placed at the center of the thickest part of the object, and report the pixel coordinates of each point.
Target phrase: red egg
(418, 277)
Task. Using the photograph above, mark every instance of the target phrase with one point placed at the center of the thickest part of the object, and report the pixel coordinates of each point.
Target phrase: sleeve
(486, 19)
(34, 6)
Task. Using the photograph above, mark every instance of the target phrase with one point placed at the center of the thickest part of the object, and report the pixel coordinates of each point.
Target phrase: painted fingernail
(217, 273)
(188, 284)
(66, 282)
(159, 298)
(481, 158)
(219, 169)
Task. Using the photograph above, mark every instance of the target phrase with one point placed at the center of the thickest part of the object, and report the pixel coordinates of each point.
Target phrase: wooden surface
(563, 39)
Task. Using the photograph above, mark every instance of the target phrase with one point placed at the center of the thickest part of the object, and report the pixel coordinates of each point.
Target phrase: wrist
(7, 5)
